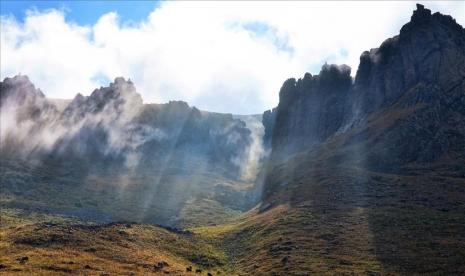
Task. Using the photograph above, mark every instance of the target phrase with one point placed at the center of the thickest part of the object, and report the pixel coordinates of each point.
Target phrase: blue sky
(83, 12)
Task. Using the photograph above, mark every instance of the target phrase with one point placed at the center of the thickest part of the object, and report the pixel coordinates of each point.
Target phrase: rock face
(310, 110)
(406, 102)
(429, 50)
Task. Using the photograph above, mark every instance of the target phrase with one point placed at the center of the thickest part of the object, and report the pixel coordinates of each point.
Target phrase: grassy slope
(336, 221)
(57, 245)
(296, 241)
(388, 224)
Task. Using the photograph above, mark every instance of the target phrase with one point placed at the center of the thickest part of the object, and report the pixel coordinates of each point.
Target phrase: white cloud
(218, 56)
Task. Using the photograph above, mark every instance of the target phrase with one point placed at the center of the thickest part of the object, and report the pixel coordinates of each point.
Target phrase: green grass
(205, 212)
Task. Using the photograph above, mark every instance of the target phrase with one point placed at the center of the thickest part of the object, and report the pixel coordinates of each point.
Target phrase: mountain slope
(371, 171)
(109, 157)
(38, 244)
(414, 126)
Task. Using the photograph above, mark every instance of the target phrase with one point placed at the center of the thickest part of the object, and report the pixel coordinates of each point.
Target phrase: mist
(149, 160)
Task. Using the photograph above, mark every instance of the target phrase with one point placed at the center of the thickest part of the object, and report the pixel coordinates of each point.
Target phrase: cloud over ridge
(218, 56)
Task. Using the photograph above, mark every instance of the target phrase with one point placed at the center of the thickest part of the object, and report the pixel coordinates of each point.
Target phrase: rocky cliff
(309, 111)
(411, 89)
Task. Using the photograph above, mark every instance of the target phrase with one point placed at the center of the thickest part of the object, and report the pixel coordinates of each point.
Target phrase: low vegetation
(42, 244)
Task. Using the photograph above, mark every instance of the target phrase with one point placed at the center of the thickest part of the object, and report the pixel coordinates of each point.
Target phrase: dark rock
(345, 262)
(421, 69)
(309, 111)
(22, 259)
(163, 263)
(69, 262)
(268, 121)
(285, 260)
(57, 269)
(160, 265)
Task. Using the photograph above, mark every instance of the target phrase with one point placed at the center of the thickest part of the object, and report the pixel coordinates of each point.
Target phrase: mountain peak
(422, 18)
(18, 78)
(20, 81)
(20, 88)
(118, 95)
(121, 90)
(420, 13)
(121, 81)
(119, 86)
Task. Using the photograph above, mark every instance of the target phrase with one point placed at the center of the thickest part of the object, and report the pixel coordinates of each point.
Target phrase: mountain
(419, 71)
(403, 112)
(345, 176)
(367, 176)
(152, 161)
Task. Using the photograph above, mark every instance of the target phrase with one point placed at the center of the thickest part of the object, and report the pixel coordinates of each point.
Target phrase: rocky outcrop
(412, 86)
(24, 110)
(268, 121)
(28, 101)
(120, 96)
(429, 50)
(310, 109)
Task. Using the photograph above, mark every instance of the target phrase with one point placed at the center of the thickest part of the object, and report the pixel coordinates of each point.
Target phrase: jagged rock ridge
(421, 69)
(160, 157)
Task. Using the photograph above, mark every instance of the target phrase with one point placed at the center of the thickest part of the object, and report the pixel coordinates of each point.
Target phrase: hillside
(39, 244)
(109, 157)
(375, 167)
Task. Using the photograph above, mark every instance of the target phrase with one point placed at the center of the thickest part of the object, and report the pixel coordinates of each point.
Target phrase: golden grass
(115, 249)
